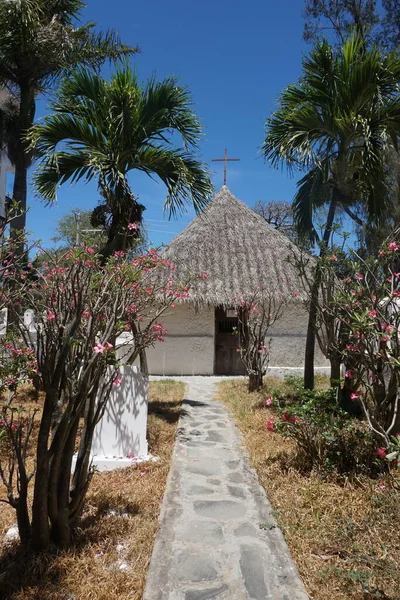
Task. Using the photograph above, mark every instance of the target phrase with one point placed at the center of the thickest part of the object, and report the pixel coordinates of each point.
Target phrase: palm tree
(339, 124)
(105, 129)
(38, 43)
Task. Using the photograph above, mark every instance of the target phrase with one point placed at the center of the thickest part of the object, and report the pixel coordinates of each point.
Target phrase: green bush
(327, 437)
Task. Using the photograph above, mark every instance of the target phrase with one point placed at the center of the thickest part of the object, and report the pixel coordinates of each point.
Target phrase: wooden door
(227, 357)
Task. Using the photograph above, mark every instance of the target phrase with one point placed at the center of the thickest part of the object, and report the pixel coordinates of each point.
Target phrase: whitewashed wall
(188, 348)
(289, 339)
(120, 437)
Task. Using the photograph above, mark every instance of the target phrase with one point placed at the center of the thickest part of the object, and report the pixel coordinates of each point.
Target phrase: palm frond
(60, 168)
(341, 119)
(187, 180)
(107, 129)
(312, 192)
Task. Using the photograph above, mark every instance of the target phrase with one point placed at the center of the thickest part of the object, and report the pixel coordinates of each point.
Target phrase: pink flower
(393, 246)
(133, 226)
(117, 381)
(349, 374)
(359, 276)
(372, 313)
(99, 348)
(295, 294)
(288, 418)
(271, 424)
(381, 252)
(50, 315)
(355, 395)
(108, 346)
(352, 347)
(204, 275)
(381, 453)
(334, 258)
(268, 401)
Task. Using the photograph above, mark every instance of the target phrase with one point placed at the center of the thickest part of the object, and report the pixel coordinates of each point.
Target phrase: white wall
(188, 348)
(120, 436)
(289, 339)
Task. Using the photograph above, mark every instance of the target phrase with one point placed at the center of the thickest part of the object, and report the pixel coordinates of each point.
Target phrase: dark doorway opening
(227, 358)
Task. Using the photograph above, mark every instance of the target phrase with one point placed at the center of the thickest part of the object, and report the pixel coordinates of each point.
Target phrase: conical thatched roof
(238, 251)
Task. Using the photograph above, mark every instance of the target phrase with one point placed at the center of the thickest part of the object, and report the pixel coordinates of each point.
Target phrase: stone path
(217, 538)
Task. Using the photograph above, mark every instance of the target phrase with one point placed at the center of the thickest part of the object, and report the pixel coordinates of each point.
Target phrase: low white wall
(120, 436)
(188, 348)
(289, 339)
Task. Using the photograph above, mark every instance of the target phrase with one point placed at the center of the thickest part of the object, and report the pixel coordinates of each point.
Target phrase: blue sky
(235, 57)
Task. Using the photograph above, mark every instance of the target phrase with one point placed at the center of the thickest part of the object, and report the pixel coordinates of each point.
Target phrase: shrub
(327, 437)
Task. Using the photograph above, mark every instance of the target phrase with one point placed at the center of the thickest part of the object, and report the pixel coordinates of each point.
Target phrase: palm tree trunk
(22, 163)
(312, 319)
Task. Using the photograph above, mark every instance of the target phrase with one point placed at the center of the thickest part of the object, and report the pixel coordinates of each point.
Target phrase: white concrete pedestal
(120, 437)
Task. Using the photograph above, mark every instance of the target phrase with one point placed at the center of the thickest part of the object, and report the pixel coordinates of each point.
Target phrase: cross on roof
(225, 160)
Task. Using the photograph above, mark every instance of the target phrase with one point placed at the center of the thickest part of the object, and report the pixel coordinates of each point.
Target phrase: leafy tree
(339, 123)
(280, 215)
(76, 226)
(341, 17)
(337, 19)
(39, 41)
(104, 130)
(390, 35)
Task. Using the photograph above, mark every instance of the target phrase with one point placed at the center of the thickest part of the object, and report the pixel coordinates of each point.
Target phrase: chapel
(238, 252)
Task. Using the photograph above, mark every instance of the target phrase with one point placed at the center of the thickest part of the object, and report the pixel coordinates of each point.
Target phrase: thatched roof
(238, 251)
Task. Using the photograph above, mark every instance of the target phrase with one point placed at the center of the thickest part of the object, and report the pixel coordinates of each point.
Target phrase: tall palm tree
(339, 123)
(39, 41)
(105, 129)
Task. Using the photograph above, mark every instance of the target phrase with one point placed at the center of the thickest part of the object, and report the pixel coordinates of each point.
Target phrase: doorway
(227, 358)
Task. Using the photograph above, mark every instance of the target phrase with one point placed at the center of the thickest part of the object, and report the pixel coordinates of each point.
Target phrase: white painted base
(119, 439)
(122, 430)
(109, 463)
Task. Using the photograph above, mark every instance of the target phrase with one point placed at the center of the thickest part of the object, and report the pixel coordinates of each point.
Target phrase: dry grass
(118, 527)
(343, 536)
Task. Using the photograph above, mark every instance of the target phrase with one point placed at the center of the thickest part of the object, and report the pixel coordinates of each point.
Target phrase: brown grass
(343, 535)
(118, 526)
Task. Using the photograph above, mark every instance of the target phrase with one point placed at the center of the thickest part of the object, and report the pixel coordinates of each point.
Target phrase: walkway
(217, 537)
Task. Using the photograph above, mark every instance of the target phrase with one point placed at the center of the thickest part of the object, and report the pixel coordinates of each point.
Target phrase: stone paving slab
(218, 538)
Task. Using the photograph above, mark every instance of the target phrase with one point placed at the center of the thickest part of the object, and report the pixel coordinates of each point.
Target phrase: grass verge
(343, 534)
(112, 548)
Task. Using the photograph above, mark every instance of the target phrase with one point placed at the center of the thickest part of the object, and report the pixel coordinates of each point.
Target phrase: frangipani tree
(103, 130)
(338, 123)
(81, 305)
(366, 303)
(256, 313)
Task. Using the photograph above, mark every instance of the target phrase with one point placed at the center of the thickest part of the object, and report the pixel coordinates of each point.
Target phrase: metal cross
(225, 160)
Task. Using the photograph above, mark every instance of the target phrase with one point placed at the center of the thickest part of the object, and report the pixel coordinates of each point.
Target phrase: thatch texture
(238, 251)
